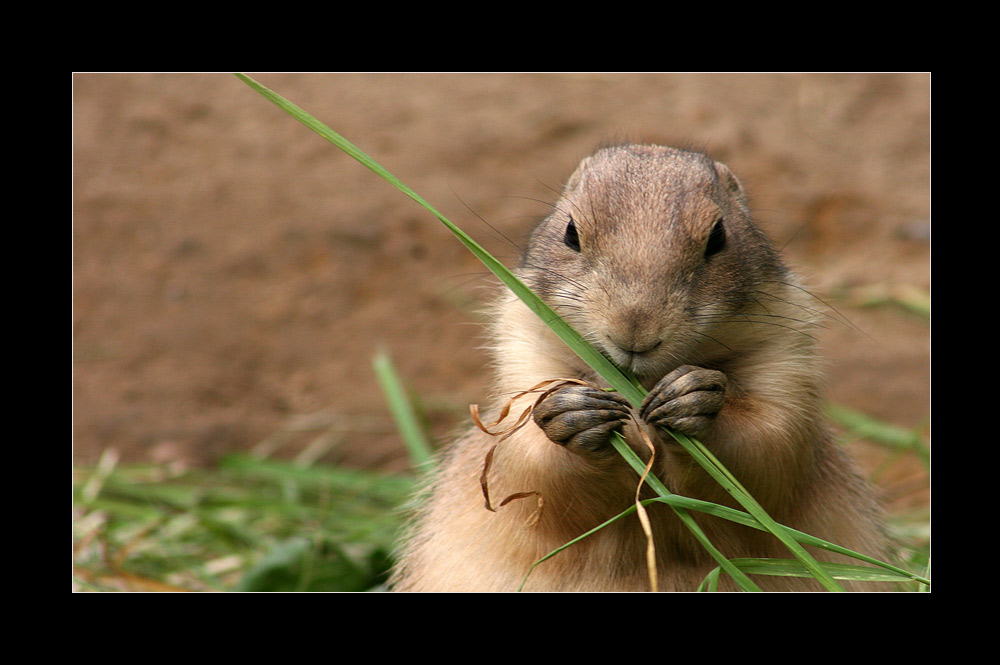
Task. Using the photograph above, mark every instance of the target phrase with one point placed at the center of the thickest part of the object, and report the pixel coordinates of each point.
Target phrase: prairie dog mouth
(645, 365)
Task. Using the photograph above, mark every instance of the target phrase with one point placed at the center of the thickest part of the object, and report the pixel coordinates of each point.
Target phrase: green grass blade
(744, 582)
(793, 568)
(728, 481)
(637, 464)
(864, 426)
(402, 410)
(745, 519)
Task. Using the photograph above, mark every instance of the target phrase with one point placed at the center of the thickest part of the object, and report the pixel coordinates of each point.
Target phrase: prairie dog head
(652, 256)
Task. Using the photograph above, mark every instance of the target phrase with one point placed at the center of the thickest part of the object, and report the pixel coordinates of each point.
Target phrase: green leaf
(402, 411)
(793, 568)
(866, 427)
(299, 564)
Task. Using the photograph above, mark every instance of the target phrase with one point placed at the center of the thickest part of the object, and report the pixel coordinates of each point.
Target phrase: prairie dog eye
(716, 239)
(572, 239)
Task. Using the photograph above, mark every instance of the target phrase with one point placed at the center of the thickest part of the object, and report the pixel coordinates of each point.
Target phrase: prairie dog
(651, 254)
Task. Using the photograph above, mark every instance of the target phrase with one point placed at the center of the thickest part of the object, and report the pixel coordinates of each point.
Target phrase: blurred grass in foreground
(259, 524)
(248, 525)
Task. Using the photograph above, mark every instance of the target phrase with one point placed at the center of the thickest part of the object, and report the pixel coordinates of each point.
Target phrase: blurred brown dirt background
(234, 273)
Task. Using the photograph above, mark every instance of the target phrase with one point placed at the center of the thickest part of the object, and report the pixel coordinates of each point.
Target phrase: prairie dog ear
(731, 182)
(574, 180)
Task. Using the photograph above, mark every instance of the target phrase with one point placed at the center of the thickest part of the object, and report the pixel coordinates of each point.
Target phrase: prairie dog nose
(634, 332)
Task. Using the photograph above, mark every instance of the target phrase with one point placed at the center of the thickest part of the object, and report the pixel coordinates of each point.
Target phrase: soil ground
(233, 273)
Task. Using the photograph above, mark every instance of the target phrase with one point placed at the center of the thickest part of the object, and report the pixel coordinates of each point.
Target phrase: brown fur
(643, 291)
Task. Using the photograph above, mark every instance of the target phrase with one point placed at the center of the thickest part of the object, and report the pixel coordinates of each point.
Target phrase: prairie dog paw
(581, 418)
(686, 400)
